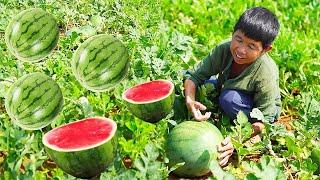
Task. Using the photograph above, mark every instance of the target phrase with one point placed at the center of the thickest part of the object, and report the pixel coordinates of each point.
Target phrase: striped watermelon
(151, 101)
(83, 148)
(33, 101)
(100, 63)
(195, 144)
(32, 35)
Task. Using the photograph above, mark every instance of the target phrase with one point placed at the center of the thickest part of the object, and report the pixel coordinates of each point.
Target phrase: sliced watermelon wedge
(83, 148)
(150, 101)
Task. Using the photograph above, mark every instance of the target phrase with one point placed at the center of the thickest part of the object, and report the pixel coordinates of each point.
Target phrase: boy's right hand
(194, 107)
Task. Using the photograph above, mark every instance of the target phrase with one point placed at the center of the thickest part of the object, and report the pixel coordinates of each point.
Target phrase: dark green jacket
(261, 78)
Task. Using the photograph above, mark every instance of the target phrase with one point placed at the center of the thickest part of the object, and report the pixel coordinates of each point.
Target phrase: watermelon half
(194, 144)
(151, 101)
(83, 148)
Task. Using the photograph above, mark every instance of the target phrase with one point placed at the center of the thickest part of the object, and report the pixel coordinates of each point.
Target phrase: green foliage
(266, 169)
(164, 39)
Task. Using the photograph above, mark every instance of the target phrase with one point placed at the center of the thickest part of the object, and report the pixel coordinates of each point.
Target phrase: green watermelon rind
(92, 67)
(85, 162)
(183, 146)
(152, 111)
(24, 51)
(52, 101)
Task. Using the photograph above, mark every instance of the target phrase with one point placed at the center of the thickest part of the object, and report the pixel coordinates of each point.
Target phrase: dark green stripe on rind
(29, 30)
(24, 20)
(194, 143)
(93, 46)
(107, 57)
(36, 37)
(86, 163)
(34, 101)
(112, 76)
(153, 112)
(100, 63)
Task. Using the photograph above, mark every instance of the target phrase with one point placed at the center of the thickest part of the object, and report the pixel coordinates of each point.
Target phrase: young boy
(247, 76)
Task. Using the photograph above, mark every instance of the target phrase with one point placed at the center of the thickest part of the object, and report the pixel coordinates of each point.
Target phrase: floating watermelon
(151, 101)
(195, 144)
(100, 63)
(83, 148)
(34, 101)
(32, 35)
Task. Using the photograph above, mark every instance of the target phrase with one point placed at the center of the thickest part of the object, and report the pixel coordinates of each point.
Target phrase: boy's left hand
(225, 149)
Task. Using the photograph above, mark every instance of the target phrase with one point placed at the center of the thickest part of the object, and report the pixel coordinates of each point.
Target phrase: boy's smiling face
(245, 50)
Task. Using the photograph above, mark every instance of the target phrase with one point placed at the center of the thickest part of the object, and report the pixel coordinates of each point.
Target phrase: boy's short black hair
(259, 24)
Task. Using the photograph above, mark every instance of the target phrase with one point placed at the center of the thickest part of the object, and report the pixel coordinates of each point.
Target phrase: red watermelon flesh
(150, 91)
(81, 134)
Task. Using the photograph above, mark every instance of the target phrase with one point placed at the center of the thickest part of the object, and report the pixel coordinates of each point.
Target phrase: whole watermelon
(195, 144)
(32, 35)
(100, 63)
(33, 101)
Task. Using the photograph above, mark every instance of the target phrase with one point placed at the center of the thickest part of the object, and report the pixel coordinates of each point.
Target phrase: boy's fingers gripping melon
(100, 63)
(32, 35)
(151, 101)
(34, 101)
(83, 148)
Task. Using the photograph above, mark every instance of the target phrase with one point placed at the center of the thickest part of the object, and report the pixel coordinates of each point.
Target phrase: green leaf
(219, 173)
(257, 114)
(309, 166)
(176, 166)
(152, 152)
(139, 164)
(242, 151)
(172, 122)
(291, 145)
(265, 170)
(251, 176)
(86, 107)
(242, 118)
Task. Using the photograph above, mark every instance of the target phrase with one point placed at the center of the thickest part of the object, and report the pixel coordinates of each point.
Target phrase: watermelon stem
(7, 80)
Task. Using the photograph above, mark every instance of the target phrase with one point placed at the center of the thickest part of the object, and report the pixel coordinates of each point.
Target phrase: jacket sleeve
(208, 67)
(265, 98)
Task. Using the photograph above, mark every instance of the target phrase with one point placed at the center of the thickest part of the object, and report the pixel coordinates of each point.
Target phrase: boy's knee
(233, 101)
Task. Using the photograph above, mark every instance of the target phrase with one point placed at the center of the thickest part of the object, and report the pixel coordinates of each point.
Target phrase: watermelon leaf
(86, 107)
(267, 169)
(257, 114)
(241, 118)
(219, 173)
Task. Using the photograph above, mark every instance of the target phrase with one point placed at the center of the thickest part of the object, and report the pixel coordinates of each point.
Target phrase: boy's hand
(195, 107)
(253, 140)
(225, 149)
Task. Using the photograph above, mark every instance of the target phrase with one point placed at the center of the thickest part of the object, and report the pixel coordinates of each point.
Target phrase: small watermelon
(100, 63)
(83, 148)
(195, 144)
(151, 101)
(34, 101)
(32, 35)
